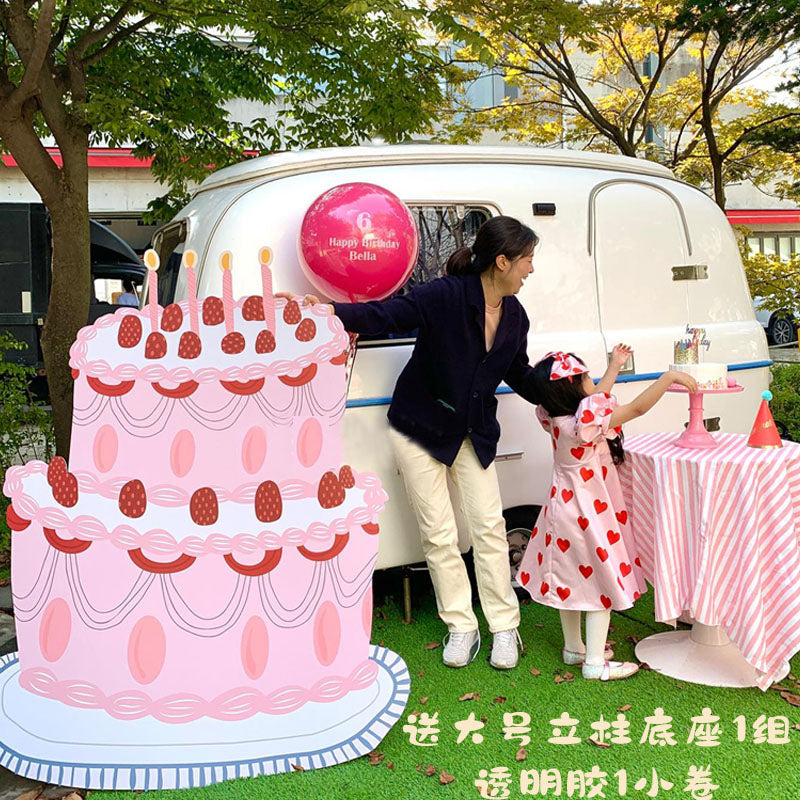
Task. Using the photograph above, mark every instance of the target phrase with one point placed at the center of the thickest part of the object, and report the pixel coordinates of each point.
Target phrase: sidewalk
(785, 354)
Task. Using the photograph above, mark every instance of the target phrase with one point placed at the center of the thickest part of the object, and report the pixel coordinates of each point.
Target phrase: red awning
(769, 216)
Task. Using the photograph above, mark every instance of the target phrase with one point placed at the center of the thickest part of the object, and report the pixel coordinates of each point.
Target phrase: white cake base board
(48, 741)
(696, 657)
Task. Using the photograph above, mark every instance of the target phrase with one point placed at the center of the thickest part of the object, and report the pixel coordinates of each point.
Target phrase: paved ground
(786, 354)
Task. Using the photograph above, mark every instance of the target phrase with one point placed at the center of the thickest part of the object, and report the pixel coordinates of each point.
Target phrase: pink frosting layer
(111, 363)
(234, 704)
(76, 523)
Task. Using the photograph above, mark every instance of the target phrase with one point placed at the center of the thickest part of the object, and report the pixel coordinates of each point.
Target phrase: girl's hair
(561, 398)
(498, 236)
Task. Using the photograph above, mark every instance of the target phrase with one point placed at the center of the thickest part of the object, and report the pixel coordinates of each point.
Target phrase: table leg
(703, 655)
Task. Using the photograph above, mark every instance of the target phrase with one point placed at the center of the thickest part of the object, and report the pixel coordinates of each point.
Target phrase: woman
(472, 334)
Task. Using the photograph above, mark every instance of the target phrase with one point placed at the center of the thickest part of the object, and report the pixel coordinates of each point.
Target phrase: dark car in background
(25, 252)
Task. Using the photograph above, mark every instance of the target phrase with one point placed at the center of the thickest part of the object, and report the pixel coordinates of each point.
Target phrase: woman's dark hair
(498, 236)
(561, 398)
(127, 284)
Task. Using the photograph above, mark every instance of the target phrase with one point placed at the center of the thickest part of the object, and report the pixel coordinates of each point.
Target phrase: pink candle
(151, 261)
(267, 298)
(189, 260)
(227, 289)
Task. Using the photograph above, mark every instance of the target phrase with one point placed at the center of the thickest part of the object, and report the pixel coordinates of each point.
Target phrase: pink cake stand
(696, 436)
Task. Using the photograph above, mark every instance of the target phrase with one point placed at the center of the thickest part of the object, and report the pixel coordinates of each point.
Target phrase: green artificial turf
(740, 769)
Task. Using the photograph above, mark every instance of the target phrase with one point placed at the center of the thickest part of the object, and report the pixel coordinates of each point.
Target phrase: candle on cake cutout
(189, 261)
(232, 342)
(267, 298)
(156, 344)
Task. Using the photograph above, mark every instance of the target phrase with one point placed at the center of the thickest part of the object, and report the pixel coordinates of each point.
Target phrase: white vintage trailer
(627, 254)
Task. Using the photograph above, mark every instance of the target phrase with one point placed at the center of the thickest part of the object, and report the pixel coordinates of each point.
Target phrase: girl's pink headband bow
(565, 366)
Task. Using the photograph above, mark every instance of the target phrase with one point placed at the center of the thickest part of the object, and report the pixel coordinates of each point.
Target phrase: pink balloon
(358, 241)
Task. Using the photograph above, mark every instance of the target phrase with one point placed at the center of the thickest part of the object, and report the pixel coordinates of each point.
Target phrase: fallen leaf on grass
(423, 700)
(430, 770)
(626, 707)
(569, 677)
(535, 672)
(610, 642)
(611, 628)
(633, 639)
(596, 743)
(298, 768)
(522, 754)
(432, 645)
(645, 666)
(792, 677)
(381, 643)
(421, 673)
(558, 679)
(444, 778)
(419, 767)
(500, 699)
(796, 727)
(538, 625)
(483, 719)
(468, 696)
(375, 758)
(390, 764)
(791, 699)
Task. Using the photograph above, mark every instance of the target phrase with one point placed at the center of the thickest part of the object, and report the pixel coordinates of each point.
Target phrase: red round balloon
(358, 241)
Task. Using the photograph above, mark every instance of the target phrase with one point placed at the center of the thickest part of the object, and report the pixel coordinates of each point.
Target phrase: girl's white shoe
(572, 658)
(609, 670)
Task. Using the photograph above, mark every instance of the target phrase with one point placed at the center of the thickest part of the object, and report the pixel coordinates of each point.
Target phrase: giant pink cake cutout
(205, 558)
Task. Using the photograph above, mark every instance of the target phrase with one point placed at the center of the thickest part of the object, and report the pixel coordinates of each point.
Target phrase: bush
(25, 430)
(785, 405)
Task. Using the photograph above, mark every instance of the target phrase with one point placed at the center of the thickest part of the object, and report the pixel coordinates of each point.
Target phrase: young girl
(581, 556)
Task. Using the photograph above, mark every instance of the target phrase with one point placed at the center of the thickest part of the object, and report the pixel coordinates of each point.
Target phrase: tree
(158, 74)
(644, 78)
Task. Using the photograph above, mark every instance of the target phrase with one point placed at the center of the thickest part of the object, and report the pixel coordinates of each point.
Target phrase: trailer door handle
(515, 456)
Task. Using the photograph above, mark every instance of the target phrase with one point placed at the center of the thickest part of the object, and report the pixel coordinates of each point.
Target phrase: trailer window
(442, 230)
(168, 243)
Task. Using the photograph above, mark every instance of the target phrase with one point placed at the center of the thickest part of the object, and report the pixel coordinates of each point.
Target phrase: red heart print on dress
(602, 553)
(606, 412)
(636, 595)
(553, 492)
(547, 539)
(563, 545)
(600, 506)
(619, 581)
(637, 562)
(524, 577)
(540, 559)
(556, 432)
(613, 537)
(622, 517)
(606, 601)
(544, 588)
(587, 474)
(625, 569)
(566, 495)
(577, 452)
(563, 592)
(583, 522)
(534, 532)
(605, 472)
(585, 570)
(587, 416)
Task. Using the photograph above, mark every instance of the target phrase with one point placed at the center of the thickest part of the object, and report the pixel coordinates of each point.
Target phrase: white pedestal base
(703, 655)
(45, 740)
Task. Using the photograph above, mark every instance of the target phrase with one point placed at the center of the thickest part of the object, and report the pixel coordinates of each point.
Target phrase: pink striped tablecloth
(718, 535)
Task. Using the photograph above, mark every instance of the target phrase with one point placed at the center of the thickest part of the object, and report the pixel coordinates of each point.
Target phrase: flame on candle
(225, 260)
(189, 259)
(265, 256)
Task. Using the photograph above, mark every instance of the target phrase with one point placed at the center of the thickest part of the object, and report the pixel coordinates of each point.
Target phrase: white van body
(603, 274)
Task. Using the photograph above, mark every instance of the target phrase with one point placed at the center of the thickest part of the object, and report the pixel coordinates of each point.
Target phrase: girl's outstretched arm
(619, 355)
(649, 397)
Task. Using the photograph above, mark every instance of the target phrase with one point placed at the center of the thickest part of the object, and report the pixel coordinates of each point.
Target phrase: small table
(718, 535)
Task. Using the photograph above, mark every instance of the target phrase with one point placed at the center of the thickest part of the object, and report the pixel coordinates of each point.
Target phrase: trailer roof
(300, 161)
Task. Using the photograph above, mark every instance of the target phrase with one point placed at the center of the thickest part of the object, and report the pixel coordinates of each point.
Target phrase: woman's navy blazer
(447, 389)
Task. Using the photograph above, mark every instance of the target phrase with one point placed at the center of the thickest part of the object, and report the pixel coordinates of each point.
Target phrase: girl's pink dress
(581, 556)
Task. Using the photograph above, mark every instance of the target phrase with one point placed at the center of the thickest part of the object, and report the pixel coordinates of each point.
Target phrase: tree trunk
(68, 309)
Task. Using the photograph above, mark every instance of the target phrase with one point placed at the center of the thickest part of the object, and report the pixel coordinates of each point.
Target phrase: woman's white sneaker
(505, 653)
(460, 648)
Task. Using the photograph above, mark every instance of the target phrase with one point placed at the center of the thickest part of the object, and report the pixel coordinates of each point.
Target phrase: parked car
(780, 326)
(25, 251)
(627, 254)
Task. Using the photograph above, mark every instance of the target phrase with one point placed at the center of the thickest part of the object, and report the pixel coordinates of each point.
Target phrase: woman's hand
(620, 354)
(682, 379)
(309, 299)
